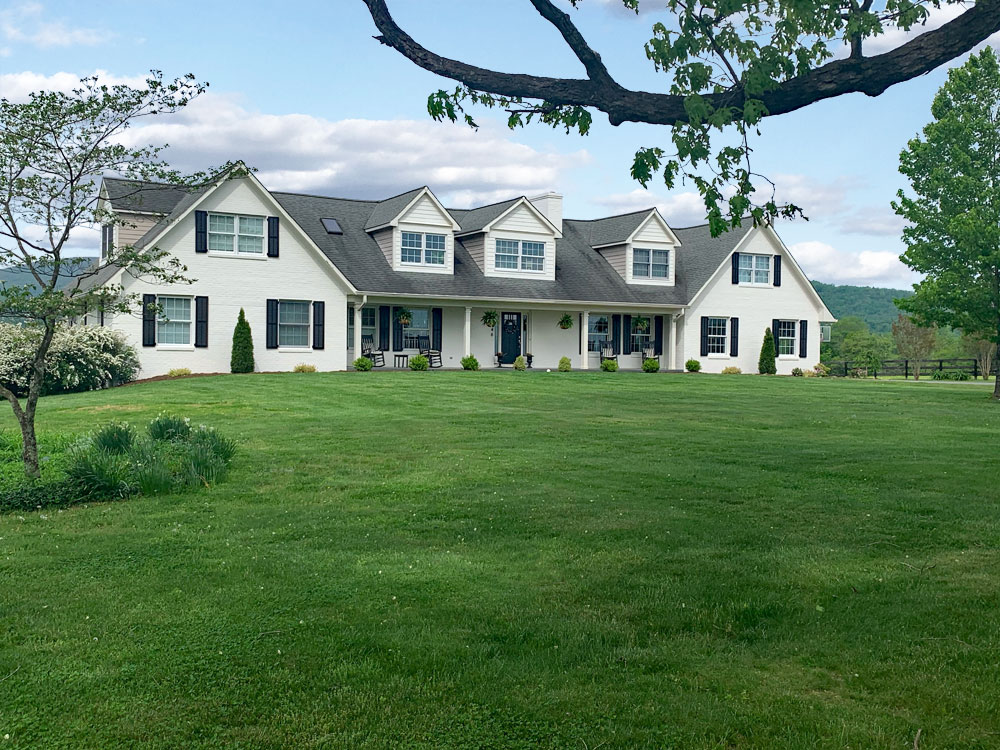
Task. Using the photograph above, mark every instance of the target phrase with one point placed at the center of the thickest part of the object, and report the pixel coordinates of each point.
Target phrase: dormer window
(755, 269)
(650, 264)
(521, 255)
(423, 249)
(228, 233)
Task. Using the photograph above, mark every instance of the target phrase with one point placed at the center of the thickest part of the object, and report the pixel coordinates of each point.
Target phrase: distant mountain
(874, 305)
(21, 277)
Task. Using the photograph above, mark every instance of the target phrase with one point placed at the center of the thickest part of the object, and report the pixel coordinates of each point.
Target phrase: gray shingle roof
(614, 230)
(148, 197)
(387, 210)
(582, 273)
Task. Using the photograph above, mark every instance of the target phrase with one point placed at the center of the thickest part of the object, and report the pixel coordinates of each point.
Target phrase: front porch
(401, 328)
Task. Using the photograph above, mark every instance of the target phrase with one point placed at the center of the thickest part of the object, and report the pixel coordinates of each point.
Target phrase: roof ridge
(330, 197)
(619, 216)
(490, 205)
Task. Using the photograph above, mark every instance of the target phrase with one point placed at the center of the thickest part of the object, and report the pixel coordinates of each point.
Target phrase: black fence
(906, 367)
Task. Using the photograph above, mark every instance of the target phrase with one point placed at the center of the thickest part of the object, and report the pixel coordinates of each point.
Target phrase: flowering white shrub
(81, 358)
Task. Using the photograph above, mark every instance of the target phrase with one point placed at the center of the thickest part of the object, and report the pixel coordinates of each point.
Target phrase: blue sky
(305, 94)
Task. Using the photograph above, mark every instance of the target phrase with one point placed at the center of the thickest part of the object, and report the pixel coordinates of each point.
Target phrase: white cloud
(17, 86)
(825, 263)
(27, 23)
(357, 158)
(679, 209)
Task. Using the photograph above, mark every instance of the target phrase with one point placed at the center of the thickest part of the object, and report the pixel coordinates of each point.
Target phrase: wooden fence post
(906, 371)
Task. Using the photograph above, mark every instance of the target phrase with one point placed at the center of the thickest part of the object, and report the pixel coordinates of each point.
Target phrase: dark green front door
(510, 336)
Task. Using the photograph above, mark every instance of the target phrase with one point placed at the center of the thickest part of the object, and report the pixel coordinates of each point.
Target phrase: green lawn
(504, 560)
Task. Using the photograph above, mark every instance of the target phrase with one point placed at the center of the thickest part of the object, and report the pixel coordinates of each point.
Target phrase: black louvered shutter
(658, 335)
(616, 333)
(149, 320)
(774, 332)
(319, 325)
(201, 231)
(272, 236)
(626, 334)
(272, 324)
(201, 322)
(704, 336)
(736, 268)
(397, 332)
(437, 321)
(383, 327)
(777, 270)
(803, 339)
(734, 337)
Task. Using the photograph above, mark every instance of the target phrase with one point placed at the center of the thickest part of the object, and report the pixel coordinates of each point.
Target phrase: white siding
(521, 224)
(756, 307)
(521, 219)
(652, 231)
(425, 211)
(231, 283)
(449, 248)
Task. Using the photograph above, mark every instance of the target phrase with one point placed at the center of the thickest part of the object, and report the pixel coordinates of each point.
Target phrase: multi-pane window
(173, 326)
(599, 333)
(423, 248)
(228, 233)
(786, 337)
(520, 255)
(368, 327)
(718, 331)
(293, 323)
(640, 334)
(650, 264)
(755, 269)
(420, 326)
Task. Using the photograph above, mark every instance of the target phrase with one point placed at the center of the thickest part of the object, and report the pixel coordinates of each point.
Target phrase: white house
(319, 278)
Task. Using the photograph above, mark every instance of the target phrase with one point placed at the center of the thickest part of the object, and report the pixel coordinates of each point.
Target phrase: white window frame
(366, 329)
(794, 338)
(410, 341)
(161, 318)
(647, 335)
(307, 325)
(825, 333)
(596, 339)
(234, 250)
(515, 249)
(423, 250)
(724, 338)
(755, 269)
(649, 263)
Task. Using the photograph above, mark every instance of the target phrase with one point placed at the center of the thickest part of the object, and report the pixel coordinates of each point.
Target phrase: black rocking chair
(368, 350)
(433, 355)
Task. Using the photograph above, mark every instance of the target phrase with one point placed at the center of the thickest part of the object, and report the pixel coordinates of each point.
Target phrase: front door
(510, 336)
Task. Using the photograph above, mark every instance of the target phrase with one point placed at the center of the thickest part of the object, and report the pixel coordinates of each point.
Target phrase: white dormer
(648, 255)
(420, 236)
(519, 243)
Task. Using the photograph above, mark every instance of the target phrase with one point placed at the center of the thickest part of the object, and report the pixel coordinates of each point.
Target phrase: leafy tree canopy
(728, 64)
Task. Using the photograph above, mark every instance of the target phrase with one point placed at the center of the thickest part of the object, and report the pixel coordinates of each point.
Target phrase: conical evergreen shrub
(766, 365)
(242, 358)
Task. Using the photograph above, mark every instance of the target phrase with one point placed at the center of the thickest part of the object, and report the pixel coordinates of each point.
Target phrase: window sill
(789, 357)
(294, 349)
(751, 285)
(719, 356)
(175, 347)
(241, 256)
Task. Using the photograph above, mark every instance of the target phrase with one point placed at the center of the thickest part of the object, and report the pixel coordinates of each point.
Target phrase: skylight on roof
(332, 226)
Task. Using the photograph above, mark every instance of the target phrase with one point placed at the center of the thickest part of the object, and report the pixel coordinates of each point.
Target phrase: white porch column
(674, 348)
(357, 331)
(584, 331)
(467, 334)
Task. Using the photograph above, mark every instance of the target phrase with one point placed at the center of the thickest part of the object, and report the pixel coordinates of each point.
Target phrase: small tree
(913, 342)
(53, 150)
(242, 357)
(983, 350)
(867, 350)
(766, 364)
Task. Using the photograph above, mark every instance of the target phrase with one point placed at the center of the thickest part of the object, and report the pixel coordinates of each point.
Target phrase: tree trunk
(26, 414)
(29, 449)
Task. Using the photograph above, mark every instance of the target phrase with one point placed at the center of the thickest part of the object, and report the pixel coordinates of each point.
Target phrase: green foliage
(520, 363)
(651, 365)
(114, 437)
(732, 370)
(179, 372)
(565, 364)
(566, 321)
(766, 362)
(404, 315)
(821, 370)
(241, 360)
(363, 364)
(609, 365)
(953, 216)
(866, 350)
(99, 474)
(169, 427)
(490, 318)
(303, 367)
(797, 372)
(876, 307)
(419, 363)
(470, 363)
(950, 375)
(38, 495)
(692, 365)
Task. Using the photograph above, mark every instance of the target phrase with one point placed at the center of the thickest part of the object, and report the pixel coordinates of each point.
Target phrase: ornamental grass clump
(651, 365)
(419, 363)
(470, 363)
(363, 364)
(169, 427)
(609, 365)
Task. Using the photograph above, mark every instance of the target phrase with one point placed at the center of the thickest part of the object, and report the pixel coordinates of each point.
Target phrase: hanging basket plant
(640, 324)
(490, 318)
(404, 316)
(566, 321)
